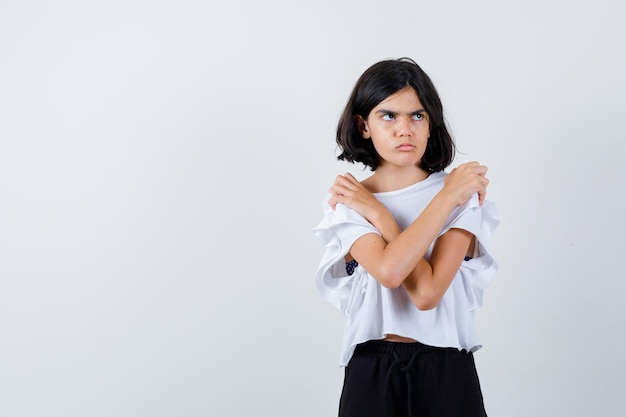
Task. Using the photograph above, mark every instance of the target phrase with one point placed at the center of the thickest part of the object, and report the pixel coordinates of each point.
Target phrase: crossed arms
(397, 257)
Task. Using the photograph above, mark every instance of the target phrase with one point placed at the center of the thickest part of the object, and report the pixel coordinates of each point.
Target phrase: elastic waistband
(384, 348)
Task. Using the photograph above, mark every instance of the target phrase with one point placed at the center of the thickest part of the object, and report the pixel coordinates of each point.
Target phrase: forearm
(409, 247)
(426, 226)
(420, 285)
(391, 257)
(429, 281)
(386, 224)
(404, 250)
(424, 271)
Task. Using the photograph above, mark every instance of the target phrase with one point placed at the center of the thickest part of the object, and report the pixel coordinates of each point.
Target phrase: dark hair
(376, 84)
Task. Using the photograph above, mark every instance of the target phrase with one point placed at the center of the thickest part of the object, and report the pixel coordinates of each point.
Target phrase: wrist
(385, 223)
(445, 200)
(377, 214)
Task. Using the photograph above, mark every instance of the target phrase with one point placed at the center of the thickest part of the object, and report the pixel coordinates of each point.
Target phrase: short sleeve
(336, 233)
(481, 221)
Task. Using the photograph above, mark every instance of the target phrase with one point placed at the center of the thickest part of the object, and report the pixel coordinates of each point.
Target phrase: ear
(363, 127)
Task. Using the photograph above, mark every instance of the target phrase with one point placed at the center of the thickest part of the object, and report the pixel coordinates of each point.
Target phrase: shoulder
(480, 220)
(370, 184)
(340, 215)
(435, 181)
(437, 177)
(341, 227)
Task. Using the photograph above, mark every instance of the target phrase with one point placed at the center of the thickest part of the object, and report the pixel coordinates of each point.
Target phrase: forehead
(405, 99)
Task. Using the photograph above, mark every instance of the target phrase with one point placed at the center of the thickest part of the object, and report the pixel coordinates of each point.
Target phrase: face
(399, 128)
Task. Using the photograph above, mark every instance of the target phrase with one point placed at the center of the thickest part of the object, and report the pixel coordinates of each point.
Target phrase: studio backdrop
(163, 164)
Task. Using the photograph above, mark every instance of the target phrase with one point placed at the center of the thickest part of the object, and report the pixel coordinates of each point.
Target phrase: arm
(429, 281)
(397, 257)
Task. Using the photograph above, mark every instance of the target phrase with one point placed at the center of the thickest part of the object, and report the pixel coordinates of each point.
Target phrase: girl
(405, 254)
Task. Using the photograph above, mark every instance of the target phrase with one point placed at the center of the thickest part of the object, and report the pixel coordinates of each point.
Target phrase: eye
(418, 116)
(388, 116)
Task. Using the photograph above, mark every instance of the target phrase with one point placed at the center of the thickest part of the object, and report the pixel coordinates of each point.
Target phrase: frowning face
(399, 128)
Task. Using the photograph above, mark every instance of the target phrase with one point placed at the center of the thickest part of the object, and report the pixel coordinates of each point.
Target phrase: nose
(403, 127)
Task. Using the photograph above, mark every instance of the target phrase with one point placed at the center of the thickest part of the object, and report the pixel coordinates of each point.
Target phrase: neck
(391, 178)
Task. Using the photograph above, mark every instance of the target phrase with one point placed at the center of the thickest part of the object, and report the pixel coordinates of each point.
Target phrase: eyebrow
(394, 113)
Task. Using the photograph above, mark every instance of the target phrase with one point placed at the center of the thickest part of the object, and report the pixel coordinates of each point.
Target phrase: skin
(399, 129)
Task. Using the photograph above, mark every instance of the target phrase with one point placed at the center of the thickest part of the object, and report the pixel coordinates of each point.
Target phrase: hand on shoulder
(349, 191)
(465, 180)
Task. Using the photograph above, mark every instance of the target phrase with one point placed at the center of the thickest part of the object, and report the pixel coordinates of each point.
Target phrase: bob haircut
(376, 84)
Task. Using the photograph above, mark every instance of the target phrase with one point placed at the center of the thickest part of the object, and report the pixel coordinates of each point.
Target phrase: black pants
(390, 379)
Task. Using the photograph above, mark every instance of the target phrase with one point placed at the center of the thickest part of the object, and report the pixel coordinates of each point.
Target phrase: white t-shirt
(373, 311)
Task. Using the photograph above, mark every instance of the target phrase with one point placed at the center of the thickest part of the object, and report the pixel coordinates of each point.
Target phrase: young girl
(405, 252)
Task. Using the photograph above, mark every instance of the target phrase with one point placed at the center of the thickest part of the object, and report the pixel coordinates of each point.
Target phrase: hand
(465, 180)
(347, 190)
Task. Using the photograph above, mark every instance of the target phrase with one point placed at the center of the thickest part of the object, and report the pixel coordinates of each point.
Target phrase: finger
(345, 181)
(473, 166)
(334, 200)
(482, 194)
(480, 169)
(470, 164)
(338, 199)
(339, 189)
(353, 182)
(332, 203)
(351, 178)
(338, 179)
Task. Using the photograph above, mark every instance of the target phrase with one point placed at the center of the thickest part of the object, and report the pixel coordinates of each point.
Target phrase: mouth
(405, 147)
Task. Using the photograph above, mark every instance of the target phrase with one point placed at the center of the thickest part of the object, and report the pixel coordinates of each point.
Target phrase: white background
(162, 164)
